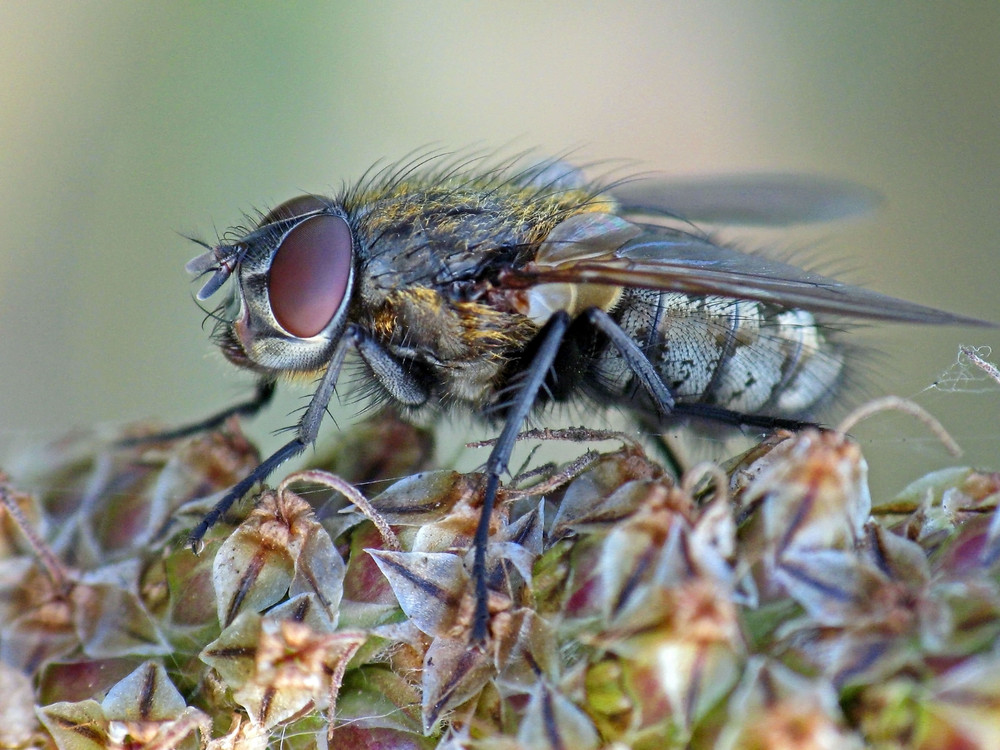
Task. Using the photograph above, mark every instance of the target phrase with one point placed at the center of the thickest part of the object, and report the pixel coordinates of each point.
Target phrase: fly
(502, 290)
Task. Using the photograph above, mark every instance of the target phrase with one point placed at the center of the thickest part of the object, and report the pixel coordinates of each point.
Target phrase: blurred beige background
(124, 124)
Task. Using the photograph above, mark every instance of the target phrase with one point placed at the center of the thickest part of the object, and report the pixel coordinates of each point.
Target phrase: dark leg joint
(637, 361)
(535, 374)
(238, 491)
(261, 397)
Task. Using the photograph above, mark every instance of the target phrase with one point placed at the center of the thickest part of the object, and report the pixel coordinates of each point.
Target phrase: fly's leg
(496, 464)
(714, 413)
(654, 385)
(385, 368)
(670, 455)
(634, 357)
(710, 412)
(398, 381)
(261, 397)
(525, 399)
(306, 433)
(263, 470)
(643, 369)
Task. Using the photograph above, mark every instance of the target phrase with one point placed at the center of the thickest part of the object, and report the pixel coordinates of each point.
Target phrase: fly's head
(293, 275)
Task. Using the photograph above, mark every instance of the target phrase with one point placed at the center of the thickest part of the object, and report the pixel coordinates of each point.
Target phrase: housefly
(499, 290)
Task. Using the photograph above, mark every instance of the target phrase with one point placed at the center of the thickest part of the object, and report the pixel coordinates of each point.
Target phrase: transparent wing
(747, 199)
(599, 248)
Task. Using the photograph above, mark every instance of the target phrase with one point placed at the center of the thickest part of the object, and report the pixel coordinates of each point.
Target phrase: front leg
(306, 433)
(249, 408)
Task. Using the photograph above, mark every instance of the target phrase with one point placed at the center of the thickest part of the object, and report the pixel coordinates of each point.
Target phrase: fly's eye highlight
(297, 206)
(308, 278)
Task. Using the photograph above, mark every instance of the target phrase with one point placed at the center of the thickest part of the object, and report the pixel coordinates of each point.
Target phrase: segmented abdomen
(741, 355)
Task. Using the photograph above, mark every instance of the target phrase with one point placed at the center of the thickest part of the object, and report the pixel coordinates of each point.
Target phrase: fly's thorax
(293, 286)
(429, 259)
(742, 355)
(454, 237)
(463, 345)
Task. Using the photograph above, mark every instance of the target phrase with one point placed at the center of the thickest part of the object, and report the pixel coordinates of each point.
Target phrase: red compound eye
(308, 277)
(302, 204)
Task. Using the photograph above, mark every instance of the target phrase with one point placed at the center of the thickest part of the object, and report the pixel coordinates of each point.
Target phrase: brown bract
(772, 604)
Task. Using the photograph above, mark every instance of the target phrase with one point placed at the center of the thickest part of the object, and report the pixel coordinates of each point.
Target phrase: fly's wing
(767, 200)
(598, 248)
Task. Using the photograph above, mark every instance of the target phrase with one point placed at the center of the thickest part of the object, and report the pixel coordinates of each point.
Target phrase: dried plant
(769, 603)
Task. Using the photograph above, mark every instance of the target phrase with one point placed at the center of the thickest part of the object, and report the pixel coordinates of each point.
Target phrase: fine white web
(971, 372)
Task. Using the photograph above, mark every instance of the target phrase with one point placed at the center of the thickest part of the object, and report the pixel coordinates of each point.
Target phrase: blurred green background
(122, 125)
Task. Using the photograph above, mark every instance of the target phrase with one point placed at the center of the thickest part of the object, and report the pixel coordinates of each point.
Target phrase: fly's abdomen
(738, 354)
